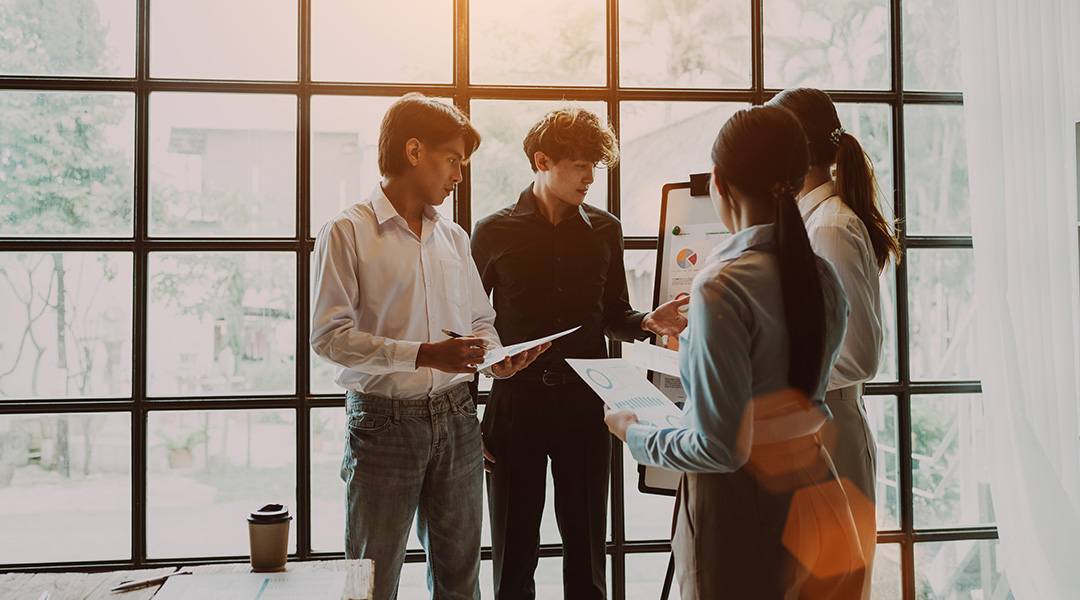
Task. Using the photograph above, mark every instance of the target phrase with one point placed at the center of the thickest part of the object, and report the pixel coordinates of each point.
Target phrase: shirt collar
(810, 202)
(526, 205)
(745, 240)
(384, 210)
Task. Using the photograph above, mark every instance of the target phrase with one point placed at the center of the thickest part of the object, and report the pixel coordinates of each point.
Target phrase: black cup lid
(271, 513)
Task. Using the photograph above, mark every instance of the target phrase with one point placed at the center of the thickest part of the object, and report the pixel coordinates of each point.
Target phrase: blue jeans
(417, 457)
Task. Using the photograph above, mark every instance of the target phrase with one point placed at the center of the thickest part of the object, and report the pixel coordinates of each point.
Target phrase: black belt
(549, 377)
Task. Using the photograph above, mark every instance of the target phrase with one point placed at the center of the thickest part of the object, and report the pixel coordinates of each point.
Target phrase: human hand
(512, 364)
(489, 458)
(618, 420)
(455, 355)
(666, 319)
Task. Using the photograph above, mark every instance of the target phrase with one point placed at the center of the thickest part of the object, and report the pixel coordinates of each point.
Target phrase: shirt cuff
(642, 334)
(637, 436)
(404, 356)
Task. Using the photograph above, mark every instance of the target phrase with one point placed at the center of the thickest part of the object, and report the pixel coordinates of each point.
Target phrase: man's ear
(543, 161)
(412, 151)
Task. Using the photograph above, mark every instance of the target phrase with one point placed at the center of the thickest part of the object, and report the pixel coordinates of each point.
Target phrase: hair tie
(836, 135)
(782, 190)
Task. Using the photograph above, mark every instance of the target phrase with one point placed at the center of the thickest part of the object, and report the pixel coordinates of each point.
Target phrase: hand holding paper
(620, 385)
(498, 354)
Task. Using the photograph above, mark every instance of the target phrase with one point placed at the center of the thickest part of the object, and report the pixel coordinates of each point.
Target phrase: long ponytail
(859, 190)
(762, 151)
(804, 305)
(855, 181)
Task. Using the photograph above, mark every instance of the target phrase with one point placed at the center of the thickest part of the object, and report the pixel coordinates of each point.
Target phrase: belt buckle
(551, 378)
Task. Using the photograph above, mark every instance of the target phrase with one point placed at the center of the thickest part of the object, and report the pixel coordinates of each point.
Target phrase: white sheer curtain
(1021, 60)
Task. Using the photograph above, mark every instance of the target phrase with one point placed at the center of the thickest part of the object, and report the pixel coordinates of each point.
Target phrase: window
(160, 192)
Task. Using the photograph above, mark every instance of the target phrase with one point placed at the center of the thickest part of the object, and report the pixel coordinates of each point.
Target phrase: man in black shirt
(553, 263)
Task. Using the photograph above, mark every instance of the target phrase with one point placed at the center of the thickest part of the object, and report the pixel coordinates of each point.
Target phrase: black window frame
(139, 405)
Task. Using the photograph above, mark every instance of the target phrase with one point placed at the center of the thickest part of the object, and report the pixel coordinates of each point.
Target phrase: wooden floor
(94, 586)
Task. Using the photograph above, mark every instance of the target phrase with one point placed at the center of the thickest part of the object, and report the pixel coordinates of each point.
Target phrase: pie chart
(686, 258)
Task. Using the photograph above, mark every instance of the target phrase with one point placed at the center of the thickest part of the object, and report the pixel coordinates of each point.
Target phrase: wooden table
(95, 586)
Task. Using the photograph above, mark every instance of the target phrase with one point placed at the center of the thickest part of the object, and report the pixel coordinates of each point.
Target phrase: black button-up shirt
(548, 278)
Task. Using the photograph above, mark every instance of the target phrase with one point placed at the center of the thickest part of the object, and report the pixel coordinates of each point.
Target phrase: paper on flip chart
(498, 354)
(656, 358)
(323, 585)
(621, 385)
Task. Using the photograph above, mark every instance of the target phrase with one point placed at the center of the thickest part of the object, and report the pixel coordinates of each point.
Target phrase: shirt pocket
(455, 284)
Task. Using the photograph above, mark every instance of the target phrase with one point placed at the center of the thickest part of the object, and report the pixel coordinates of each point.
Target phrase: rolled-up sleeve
(334, 335)
(714, 362)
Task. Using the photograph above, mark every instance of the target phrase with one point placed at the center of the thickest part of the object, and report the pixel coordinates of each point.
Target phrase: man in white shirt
(391, 276)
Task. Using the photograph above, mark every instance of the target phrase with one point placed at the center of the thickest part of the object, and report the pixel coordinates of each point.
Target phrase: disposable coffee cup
(268, 531)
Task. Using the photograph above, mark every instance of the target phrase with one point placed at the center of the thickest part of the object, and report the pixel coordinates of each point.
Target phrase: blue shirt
(735, 348)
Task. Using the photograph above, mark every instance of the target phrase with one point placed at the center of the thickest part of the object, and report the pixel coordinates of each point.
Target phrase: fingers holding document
(619, 420)
(512, 364)
(455, 355)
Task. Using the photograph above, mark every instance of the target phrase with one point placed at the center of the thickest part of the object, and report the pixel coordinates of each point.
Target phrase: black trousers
(526, 423)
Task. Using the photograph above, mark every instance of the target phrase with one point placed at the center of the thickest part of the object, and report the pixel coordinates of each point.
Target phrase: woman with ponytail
(845, 226)
(760, 511)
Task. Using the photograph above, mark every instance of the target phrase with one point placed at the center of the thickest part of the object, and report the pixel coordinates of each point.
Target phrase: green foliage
(58, 175)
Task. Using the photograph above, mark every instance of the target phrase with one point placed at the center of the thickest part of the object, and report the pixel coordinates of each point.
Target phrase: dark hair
(573, 133)
(415, 115)
(855, 181)
(762, 152)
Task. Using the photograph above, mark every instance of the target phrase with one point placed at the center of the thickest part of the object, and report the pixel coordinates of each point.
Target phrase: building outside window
(165, 166)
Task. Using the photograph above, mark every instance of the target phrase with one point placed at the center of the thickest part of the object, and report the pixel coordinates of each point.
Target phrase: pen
(452, 334)
(141, 583)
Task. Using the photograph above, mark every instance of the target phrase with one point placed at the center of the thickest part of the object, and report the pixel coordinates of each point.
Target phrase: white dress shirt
(838, 235)
(380, 291)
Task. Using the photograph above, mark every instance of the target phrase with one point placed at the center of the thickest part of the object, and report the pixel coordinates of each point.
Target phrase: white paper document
(656, 358)
(323, 585)
(498, 354)
(620, 385)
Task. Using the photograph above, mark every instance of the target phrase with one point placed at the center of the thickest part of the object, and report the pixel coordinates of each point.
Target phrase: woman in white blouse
(761, 513)
(845, 226)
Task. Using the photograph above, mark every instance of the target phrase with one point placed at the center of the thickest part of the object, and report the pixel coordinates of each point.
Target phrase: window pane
(684, 44)
(931, 45)
(935, 161)
(645, 576)
(967, 570)
(65, 485)
(647, 516)
(67, 330)
(500, 169)
(887, 368)
(548, 580)
(206, 472)
(362, 40)
(882, 414)
(328, 438)
(663, 142)
(66, 164)
(886, 582)
(559, 42)
(949, 454)
(222, 165)
(941, 303)
(222, 323)
(240, 39)
(344, 153)
(845, 45)
(68, 37)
